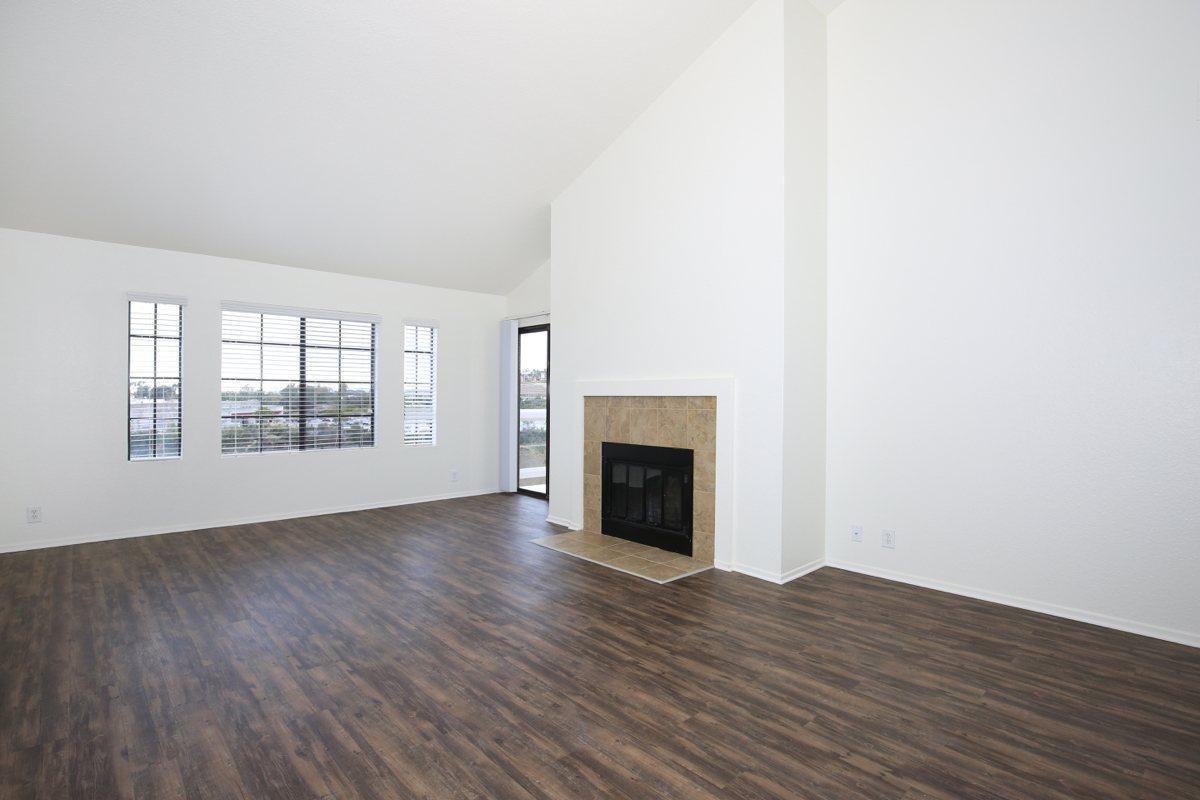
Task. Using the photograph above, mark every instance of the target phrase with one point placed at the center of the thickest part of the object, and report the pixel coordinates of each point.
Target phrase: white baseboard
(802, 570)
(62, 541)
(767, 575)
(563, 522)
(1066, 612)
(754, 572)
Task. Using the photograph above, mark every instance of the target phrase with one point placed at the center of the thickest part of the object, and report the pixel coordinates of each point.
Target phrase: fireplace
(646, 495)
(686, 423)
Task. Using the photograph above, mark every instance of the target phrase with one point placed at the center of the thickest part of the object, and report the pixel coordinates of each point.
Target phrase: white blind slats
(155, 369)
(420, 385)
(291, 382)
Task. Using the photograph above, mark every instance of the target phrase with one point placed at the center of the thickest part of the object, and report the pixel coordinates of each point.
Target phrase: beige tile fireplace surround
(688, 422)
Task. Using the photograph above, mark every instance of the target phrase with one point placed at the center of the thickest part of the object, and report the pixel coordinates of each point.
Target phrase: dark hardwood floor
(432, 651)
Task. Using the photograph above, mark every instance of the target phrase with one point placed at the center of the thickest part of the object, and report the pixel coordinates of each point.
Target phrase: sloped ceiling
(825, 6)
(417, 140)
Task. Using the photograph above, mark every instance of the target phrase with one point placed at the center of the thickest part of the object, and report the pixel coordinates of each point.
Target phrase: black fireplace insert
(646, 495)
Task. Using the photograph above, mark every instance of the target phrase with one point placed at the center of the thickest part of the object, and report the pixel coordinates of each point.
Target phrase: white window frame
(436, 329)
(165, 299)
(316, 313)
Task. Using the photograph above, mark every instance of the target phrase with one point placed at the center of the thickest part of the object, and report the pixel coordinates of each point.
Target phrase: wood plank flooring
(432, 651)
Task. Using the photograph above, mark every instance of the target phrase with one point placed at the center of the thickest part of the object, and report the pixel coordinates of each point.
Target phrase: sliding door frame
(545, 326)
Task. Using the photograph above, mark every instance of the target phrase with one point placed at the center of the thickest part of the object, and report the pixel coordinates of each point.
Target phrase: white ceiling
(826, 6)
(416, 140)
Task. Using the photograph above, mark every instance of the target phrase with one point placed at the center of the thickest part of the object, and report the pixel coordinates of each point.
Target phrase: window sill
(299, 452)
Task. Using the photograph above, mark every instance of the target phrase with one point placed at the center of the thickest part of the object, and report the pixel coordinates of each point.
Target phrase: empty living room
(590, 399)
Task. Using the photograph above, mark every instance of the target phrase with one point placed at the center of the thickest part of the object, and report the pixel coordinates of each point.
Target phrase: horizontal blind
(420, 385)
(155, 370)
(295, 382)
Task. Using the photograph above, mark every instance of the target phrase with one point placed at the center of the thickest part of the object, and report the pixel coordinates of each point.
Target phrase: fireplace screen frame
(668, 460)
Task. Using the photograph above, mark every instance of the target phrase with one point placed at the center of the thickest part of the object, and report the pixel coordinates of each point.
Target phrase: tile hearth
(646, 562)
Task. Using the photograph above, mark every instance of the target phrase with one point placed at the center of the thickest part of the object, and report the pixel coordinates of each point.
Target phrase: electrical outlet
(889, 540)
(454, 476)
(856, 533)
(33, 514)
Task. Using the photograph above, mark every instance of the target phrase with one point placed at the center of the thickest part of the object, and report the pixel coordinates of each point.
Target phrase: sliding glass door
(533, 410)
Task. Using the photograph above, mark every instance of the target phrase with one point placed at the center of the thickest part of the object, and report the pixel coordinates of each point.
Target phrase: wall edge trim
(1052, 609)
(778, 578)
(66, 541)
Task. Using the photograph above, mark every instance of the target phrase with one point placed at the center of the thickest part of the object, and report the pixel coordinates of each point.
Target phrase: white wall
(669, 263)
(804, 289)
(1014, 279)
(532, 296)
(63, 322)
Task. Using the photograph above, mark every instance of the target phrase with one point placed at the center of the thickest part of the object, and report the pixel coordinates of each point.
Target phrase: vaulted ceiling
(415, 140)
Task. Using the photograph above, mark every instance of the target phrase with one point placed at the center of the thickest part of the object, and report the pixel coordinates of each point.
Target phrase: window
(155, 360)
(294, 381)
(420, 384)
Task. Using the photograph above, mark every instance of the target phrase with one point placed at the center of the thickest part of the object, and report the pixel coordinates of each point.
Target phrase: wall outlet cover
(33, 514)
(856, 533)
(454, 476)
(889, 539)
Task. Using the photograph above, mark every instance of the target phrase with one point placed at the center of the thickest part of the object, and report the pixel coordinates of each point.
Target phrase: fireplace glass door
(646, 495)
